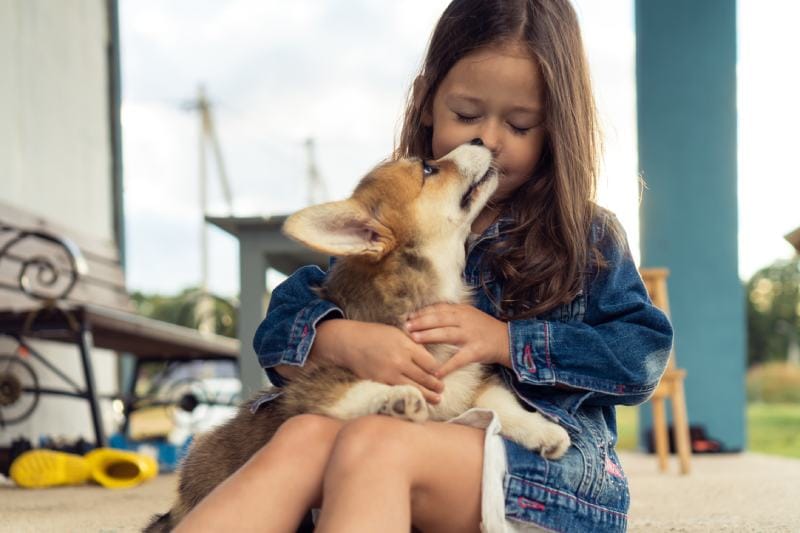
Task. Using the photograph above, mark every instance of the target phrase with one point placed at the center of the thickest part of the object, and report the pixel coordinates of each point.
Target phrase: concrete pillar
(686, 84)
(253, 267)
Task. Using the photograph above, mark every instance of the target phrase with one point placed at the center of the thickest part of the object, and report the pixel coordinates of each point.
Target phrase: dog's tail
(160, 523)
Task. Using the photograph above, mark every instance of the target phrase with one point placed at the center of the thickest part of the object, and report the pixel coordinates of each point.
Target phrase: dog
(399, 241)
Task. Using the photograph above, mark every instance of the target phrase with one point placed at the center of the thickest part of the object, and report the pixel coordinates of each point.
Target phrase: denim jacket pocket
(613, 488)
(609, 486)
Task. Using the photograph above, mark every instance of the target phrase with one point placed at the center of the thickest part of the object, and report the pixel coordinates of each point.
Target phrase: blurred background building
(60, 159)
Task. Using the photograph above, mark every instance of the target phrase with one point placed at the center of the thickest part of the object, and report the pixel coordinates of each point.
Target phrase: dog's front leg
(528, 428)
(369, 398)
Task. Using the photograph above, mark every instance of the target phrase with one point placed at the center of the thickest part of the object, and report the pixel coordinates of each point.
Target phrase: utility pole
(204, 310)
(317, 192)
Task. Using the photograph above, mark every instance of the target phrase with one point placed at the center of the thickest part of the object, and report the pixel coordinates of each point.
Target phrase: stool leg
(660, 433)
(682, 438)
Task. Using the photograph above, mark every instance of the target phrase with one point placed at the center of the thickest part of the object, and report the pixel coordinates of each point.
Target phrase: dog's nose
(476, 142)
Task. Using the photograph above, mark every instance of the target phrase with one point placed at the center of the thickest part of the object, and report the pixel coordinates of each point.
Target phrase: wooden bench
(59, 285)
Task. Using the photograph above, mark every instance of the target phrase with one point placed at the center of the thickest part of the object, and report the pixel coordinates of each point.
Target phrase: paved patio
(736, 493)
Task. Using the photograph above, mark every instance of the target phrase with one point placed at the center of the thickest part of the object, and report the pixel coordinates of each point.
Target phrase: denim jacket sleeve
(617, 353)
(285, 336)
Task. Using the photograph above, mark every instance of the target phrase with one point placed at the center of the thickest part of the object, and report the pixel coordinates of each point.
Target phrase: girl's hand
(480, 338)
(378, 352)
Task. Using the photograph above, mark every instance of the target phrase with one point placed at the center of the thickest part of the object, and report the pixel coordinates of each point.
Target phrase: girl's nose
(489, 136)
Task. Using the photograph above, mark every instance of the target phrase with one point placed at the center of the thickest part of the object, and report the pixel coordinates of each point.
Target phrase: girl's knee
(305, 434)
(371, 441)
(309, 429)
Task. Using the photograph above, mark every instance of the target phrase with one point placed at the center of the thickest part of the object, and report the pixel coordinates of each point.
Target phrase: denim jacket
(608, 346)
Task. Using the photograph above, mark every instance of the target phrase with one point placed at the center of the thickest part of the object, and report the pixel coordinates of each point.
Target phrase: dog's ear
(340, 229)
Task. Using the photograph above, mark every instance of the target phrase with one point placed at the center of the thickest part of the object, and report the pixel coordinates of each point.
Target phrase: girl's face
(495, 94)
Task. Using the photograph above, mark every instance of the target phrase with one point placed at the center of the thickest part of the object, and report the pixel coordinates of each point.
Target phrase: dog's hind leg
(528, 428)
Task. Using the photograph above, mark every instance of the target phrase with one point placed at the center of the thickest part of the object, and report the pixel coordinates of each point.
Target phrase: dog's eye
(428, 170)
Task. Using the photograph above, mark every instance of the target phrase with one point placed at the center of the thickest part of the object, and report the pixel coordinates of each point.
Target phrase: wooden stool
(670, 387)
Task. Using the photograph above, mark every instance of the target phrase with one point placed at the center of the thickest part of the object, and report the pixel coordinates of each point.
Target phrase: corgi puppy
(400, 245)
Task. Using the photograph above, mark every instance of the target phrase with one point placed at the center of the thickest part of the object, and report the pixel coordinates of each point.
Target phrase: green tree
(773, 311)
(181, 309)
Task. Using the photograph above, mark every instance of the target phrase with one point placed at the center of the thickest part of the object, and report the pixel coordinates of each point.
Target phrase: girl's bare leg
(386, 473)
(276, 487)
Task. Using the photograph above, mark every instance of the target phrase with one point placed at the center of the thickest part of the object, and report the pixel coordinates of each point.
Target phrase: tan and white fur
(399, 242)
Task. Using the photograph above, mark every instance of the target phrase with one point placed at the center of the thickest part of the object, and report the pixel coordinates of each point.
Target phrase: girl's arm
(619, 351)
(284, 338)
(301, 328)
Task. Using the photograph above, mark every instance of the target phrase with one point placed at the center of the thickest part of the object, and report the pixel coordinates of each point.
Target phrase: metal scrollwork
(41, 276)
(19, 390)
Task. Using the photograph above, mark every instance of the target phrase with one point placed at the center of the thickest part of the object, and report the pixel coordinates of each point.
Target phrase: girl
(560, 309)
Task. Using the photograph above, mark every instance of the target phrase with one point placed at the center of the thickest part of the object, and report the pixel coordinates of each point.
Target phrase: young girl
(560, 310)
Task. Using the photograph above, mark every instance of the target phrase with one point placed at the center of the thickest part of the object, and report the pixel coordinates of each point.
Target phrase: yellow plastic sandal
(120, 469)
(48, 468)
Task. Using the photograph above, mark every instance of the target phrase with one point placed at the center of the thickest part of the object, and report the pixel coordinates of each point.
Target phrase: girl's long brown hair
(543, 257)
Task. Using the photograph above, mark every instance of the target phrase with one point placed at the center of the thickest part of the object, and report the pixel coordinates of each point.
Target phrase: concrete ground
(735, 493)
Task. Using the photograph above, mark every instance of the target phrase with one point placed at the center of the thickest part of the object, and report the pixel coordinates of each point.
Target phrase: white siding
(55, 161)
(55, 155)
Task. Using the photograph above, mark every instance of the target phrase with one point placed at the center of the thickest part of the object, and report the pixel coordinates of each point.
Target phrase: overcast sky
(338, 71)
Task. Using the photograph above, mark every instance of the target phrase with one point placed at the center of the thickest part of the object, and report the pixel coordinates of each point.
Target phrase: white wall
(55, 160)
(55, 153)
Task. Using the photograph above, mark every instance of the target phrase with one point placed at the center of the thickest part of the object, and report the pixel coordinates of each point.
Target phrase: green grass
(627, 427)
(772, 428)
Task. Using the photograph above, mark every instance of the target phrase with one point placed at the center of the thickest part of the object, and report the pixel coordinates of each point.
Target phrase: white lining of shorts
(493, 498)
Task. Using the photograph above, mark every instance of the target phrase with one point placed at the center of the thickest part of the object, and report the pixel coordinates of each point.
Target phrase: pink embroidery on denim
(528, 358)
(547, 344)
(620, 388)
(305, 330)
(570, 496)
(613, 468)
(525, 503)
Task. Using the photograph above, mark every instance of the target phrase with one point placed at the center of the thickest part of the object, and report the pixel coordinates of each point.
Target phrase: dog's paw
(555, 442)
(405, 401)
(540, 434)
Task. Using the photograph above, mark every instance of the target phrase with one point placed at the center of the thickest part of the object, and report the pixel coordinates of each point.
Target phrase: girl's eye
(519, 131)
(467, 119)
(428, 170)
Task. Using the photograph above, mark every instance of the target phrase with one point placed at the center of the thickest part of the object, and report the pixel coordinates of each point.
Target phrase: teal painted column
(686, 84)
